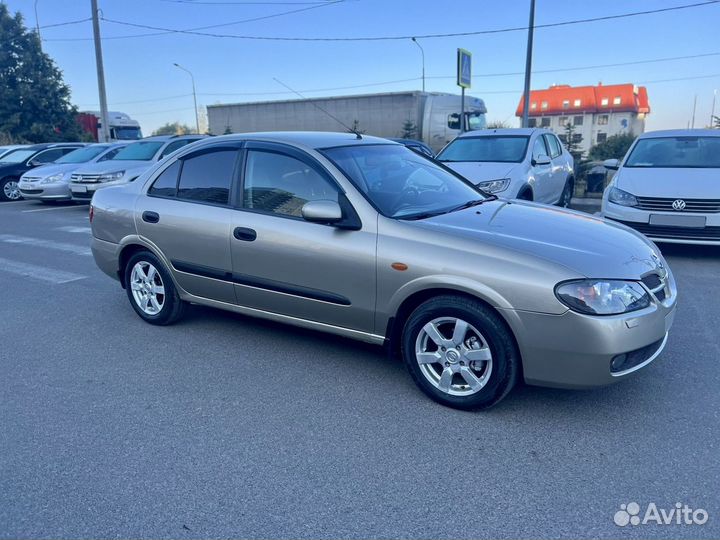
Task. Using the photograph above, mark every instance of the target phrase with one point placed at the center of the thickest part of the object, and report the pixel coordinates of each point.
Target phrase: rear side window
(166, 184)
(207, 177)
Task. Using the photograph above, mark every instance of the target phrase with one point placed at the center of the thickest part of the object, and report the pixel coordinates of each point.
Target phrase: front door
(284, 264)
(542, 189)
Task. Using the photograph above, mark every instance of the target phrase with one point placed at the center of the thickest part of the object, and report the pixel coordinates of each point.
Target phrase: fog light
(617, 362)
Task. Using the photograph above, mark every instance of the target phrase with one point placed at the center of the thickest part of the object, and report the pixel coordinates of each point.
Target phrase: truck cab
(441, 120)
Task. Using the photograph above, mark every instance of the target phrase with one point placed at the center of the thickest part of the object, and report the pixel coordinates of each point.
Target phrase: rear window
(679, 152)
(503, 149)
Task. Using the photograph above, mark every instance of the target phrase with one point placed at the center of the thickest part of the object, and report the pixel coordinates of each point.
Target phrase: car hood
(112, 165)
(48, 170)
(590, 246)
(670, 182)
(477, 172)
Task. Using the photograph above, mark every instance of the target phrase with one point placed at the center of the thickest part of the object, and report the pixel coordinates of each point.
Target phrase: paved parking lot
(226, 426)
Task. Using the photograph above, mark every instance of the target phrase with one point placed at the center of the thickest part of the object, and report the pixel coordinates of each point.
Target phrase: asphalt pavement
(226, 426)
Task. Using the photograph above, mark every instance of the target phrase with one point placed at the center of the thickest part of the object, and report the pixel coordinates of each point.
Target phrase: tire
(143, 289)
(485, 350)
(9, 190)
(567, 194)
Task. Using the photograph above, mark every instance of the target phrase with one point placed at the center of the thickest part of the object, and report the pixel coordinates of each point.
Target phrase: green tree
(34, 101)
(409, 130)
(174, 128)
(614, 147)
(716, 122)
(572, 141)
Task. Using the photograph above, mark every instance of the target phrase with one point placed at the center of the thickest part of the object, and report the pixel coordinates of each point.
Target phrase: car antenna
(343, 124)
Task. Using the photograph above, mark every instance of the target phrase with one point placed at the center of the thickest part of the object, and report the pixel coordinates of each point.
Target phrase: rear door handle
(245, 234)
(150, 217)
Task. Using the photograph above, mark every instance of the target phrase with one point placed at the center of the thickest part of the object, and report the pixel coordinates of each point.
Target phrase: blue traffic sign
(464, 68)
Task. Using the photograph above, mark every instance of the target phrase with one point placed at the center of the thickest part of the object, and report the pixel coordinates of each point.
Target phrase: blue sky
(231, 70)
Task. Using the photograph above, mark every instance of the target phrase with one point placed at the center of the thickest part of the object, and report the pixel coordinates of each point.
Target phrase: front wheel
(9, 190)
(151, 290)
(460, 352)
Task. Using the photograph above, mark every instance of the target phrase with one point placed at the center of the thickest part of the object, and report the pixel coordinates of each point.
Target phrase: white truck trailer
(435, 117)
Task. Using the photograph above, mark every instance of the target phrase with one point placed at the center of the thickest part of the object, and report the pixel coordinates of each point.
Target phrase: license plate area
(78, 189)
(680, 220)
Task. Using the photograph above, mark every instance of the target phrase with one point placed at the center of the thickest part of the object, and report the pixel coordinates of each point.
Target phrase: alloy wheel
(11, 190)
(453, 356)
(147, 288)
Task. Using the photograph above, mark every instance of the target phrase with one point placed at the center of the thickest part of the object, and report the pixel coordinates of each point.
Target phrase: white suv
(525, 163)
(668, 186)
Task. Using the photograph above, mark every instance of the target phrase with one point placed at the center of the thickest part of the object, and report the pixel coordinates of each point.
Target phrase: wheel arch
(527, 188)
(130, 247)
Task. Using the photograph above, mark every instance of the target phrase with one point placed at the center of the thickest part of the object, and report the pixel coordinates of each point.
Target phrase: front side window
(681, 152)
(539, 148)
(400, 183)
(507, 149)
(554, 145)
(454, 121)
(280, 184)
(82, 155)
(49, 156)
(139, 151)
(207, 177)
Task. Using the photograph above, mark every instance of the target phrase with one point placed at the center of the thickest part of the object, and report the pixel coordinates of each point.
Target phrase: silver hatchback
(361, 237)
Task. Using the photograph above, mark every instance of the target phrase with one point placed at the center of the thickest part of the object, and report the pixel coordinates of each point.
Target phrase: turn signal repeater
(400, 267)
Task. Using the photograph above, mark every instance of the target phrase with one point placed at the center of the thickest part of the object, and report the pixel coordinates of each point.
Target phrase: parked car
(8, 148)
(17, 162)
(418, 146)
(529, 164)
(126, 165)
(668, 186)
(367, 239)
(51, 182)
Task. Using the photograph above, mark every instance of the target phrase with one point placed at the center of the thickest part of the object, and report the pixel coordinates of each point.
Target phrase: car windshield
(127, 133)
(680, 152)
(82, 155)
(401, 183)
(17, 156)
(140, 151)
(502, 149)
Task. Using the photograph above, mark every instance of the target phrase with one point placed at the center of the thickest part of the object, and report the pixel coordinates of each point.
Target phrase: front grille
(31, 191)
(652, 281)
(658, 285)
(30, 178)
(661, 204)
(675, 233)
(85, 178)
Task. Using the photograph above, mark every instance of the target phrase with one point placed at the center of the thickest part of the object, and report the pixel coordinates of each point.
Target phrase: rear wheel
(567, 194)
(9, 190)
(460, 352)
(151, 290)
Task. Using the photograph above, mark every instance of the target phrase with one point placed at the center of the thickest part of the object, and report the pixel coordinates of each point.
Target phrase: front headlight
(54, 178)
(109, 177)
(494, 186)
(602, 297)
(623, 198)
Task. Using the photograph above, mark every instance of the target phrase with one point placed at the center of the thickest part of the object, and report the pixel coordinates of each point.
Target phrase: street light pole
(712, 110)
(694, 109)
(422, 52)
(528, 66)
(197, 120)
(104, 133)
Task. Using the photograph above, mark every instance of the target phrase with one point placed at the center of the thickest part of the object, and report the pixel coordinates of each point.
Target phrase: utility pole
(415, 41)
(692, 126)
(712, 110)
(104, 133)
(37, 24)
(528, 66)
(192, 79)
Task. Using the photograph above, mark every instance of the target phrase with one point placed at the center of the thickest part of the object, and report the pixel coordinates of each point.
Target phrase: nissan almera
(361, 237)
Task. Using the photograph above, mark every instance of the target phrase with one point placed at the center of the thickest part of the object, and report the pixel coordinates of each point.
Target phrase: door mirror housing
(612, 164)
(33, 163)
(322, 212)
(542, 159)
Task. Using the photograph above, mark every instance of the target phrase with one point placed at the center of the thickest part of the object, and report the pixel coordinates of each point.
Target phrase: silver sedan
(361, 237)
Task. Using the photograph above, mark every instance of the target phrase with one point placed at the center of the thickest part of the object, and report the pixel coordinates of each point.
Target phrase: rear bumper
(576, 351)
(106, 256)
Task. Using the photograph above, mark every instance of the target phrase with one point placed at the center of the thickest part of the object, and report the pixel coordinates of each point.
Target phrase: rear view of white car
(526, 163)
(668, 187)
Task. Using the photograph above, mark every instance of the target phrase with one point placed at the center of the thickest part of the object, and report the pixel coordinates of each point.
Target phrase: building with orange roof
(596, 112)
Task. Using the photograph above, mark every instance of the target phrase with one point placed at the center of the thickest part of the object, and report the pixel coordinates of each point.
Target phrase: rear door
(286, 265)
(186, 214)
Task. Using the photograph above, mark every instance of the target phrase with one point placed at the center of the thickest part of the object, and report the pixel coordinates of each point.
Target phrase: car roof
(312, 139)
(45, 146)
(681, 133)
(503, 131)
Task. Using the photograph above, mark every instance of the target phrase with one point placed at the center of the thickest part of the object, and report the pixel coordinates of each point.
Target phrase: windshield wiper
(475, 202)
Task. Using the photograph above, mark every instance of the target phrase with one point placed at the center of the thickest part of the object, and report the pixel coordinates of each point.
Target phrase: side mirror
(612, 164)
(542, 159)
(33, 163)
(322, 212)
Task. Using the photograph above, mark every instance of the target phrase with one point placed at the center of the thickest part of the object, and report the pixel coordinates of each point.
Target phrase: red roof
(565, 99)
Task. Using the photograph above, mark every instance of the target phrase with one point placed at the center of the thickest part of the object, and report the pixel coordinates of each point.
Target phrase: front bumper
(573, 350)
(57, 191)
(637, 219)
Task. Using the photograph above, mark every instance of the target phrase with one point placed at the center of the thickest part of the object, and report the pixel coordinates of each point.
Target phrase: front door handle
(245, 234)
(150, 217)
